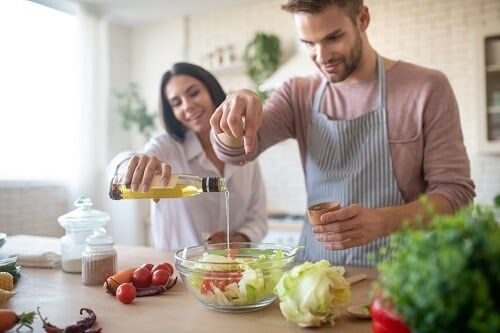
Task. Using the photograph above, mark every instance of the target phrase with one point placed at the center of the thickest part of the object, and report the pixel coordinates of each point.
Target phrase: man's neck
(367, 68)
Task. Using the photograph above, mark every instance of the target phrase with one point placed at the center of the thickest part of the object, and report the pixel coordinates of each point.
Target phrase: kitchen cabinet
(489, 90)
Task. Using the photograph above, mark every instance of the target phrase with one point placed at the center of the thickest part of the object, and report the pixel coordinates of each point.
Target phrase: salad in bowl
(237, 278)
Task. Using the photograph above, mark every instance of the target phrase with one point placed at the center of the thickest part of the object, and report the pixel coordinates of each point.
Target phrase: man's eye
(333, 38)
(307, 44)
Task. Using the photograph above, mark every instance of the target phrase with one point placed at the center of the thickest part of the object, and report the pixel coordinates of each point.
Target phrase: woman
(188, 97)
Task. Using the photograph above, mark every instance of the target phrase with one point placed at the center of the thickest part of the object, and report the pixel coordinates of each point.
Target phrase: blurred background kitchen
(64, 63)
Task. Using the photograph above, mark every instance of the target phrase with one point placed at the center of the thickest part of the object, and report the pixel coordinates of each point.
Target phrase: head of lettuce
(312, 294)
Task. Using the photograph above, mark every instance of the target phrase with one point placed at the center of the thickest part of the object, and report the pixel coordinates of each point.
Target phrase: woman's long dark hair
(174, 128)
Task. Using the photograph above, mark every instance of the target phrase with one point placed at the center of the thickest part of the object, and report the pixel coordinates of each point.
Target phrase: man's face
(333, 42)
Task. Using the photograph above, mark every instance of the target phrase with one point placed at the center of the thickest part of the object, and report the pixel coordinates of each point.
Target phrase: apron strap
(319, 95)
(381, 82)
(381, 87)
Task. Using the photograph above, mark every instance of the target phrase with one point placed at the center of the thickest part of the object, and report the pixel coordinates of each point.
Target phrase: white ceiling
(135, 12)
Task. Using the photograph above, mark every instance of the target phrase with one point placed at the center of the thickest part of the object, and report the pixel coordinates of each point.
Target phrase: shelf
(493, 68)
(494, 109)
(236, 68)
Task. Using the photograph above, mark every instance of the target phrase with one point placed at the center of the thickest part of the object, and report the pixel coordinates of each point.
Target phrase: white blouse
(178, 223)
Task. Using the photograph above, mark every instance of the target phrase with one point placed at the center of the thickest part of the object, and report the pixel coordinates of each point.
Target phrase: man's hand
(355, 225)
(349, 226)
(239, 116)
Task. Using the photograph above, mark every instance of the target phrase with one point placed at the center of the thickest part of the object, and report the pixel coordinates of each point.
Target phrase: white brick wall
(435, 33)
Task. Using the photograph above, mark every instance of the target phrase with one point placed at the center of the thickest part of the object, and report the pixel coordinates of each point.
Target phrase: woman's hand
(221, 237)
(142, 168)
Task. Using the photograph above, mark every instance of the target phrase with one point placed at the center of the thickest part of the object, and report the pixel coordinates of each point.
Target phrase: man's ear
(363, 19)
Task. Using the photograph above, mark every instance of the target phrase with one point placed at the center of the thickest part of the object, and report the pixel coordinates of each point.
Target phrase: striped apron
(349, 161)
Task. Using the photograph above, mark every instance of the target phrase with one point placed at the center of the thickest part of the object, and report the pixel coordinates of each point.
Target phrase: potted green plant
(496, 206)
(442, 277)
(133, 109)
(261, 58)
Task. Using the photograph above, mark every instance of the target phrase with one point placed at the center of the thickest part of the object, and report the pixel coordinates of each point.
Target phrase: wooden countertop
(61, 295)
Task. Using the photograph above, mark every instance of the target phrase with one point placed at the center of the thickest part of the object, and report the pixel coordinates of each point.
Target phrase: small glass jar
(79, 224)
(99, 258)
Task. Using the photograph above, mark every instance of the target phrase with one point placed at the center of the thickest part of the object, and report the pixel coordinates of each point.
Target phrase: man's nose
(321, 54)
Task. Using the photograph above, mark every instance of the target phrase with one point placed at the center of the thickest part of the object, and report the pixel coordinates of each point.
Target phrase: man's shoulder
(403, 69)
(304, 82)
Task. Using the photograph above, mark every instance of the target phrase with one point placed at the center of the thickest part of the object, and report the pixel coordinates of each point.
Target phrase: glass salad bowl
(240, 278)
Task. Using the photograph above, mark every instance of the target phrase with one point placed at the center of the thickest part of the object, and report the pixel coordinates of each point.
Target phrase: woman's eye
(194, 93)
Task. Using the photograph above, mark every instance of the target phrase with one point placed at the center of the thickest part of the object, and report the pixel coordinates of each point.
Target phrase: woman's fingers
(132, 164)
(143, 168)
(217, 237)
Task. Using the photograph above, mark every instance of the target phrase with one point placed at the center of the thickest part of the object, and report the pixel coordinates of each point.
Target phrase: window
(38, 85)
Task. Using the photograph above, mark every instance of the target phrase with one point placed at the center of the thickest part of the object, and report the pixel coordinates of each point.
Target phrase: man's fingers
(215, 120)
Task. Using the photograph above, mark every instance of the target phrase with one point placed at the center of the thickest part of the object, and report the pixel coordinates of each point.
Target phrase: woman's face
(190, 101)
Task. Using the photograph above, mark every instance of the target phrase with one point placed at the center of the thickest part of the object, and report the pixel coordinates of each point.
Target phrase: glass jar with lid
(79, 225)
(98, 259)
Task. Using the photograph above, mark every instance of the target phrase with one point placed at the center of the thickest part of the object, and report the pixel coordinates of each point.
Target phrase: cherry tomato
(160, 277)
(126, 293)
(141, 278)
(148, 266)
(206, 288)
(164, 265)
(219, 280)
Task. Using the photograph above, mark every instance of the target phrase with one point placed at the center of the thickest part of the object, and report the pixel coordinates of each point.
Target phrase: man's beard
(351, 63)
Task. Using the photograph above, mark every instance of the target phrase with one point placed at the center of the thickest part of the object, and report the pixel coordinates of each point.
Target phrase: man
(374, 134)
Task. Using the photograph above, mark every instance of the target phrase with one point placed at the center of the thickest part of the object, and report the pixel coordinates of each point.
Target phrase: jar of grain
(99, 258)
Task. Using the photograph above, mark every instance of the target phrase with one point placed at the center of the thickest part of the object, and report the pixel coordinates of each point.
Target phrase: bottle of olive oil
(179, 186)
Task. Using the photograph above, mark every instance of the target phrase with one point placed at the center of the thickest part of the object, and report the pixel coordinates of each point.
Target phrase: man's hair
(351, 7)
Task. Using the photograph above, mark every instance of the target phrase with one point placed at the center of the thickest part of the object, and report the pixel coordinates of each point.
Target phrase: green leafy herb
(445, 277)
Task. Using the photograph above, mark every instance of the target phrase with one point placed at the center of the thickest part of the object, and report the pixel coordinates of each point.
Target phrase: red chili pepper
(384, 320)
